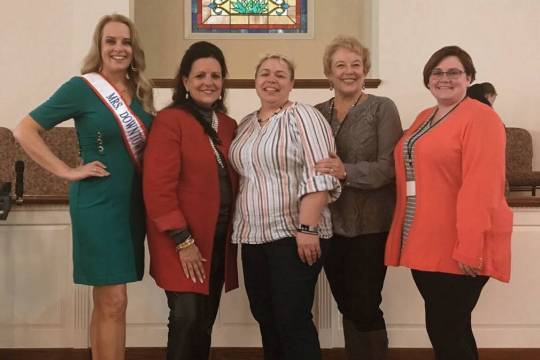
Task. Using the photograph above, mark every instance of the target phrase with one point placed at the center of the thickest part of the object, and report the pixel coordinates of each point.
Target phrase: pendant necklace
(262, 122)
(340, 124)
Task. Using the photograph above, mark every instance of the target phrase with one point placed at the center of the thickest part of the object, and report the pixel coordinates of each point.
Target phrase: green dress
(107, 214)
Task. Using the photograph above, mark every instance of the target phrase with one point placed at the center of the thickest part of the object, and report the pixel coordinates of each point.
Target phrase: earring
(133, 67)
(331, 86)
(187, 95)
(219, 98)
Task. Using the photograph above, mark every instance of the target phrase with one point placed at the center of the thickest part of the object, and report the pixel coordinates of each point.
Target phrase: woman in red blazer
(189, 191)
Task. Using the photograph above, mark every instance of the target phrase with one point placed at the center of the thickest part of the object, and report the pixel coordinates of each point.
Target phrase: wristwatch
(308, 229)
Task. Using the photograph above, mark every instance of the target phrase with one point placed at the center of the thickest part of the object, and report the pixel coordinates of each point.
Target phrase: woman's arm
(162, 167)
(28, 134)
(379, 172)
(482, 187)
(311, 206)
(315, 190)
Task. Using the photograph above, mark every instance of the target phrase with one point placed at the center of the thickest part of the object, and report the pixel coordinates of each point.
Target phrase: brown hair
(488, 88)
(139, 82)
(445, 52)
(345, 42)
(279, 57)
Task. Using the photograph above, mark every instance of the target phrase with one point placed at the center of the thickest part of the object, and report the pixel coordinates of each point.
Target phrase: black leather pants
(191, 315)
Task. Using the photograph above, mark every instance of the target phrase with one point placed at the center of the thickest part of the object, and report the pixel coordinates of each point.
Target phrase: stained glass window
(249, 16)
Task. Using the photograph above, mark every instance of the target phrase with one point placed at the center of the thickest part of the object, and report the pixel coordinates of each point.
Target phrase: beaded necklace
(215, 125)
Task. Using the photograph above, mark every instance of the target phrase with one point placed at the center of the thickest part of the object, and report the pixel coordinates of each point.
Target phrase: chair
(37, 181)
(519, 155)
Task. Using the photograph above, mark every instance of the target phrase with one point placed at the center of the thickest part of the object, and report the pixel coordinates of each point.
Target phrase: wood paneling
(250, 83)
(525, 201)
(252, 354)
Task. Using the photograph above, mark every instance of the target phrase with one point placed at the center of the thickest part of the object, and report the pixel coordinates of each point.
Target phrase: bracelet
(187, 243)
(307, 232)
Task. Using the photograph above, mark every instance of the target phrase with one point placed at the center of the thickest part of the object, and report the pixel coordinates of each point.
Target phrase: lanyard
(418, 133)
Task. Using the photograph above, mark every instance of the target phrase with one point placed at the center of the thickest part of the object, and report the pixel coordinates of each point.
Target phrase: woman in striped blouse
(281, 217)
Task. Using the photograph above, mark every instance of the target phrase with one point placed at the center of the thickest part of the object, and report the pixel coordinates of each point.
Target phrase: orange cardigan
(181, 189)
(461, 211)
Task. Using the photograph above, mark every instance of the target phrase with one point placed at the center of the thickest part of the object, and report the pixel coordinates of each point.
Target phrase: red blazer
(461, 211)
(181, 189)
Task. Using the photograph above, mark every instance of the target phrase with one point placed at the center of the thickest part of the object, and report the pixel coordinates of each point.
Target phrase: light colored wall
(161, 23)
(46, 46)
(43, 44)
(40, 307)
(501, 36)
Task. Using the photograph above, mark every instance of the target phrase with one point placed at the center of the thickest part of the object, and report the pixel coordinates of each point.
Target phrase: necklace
(262, 121)
(340, 124)
(215, 125)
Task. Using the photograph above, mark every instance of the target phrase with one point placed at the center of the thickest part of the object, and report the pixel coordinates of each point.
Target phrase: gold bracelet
(187, 243)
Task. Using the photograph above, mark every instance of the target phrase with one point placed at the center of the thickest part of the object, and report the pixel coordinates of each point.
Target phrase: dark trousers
(192, 316)
(355, 270)
(449, 302)
(280, 288)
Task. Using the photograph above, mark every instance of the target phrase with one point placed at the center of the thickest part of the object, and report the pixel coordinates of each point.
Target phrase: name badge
(411, 188)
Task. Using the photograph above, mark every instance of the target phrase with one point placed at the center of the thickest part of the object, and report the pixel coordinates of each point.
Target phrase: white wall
(43, 44)
(502, 37)
(40, 307)
(46, 47)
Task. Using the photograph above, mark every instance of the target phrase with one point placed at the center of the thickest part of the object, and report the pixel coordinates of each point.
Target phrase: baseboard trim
(255, 354)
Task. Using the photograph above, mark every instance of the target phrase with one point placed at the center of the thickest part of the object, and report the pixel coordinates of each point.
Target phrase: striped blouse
(410, 208)
(276, 167)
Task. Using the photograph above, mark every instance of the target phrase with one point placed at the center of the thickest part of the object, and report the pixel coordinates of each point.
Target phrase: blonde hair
(140, 83)
(345, 42)
(279, 57)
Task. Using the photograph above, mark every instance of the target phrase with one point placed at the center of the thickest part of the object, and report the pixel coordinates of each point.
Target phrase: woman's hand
(91, 169)
(192, 263)
(332, 166)
(309, 248)
(468, 270)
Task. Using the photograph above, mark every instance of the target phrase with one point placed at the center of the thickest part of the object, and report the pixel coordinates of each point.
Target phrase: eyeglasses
(451, 74)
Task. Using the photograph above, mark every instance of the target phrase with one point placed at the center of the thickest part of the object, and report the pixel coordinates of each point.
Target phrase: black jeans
(355, 270)
(280, 288)
(191, 315)
(449, 301)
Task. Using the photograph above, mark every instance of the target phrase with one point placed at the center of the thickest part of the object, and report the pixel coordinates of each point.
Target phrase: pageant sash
(133, 130)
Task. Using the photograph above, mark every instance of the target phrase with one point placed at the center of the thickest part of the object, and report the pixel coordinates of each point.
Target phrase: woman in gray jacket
(366, 128)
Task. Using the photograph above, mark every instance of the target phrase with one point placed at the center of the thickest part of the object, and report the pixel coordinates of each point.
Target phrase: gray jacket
(365, 143)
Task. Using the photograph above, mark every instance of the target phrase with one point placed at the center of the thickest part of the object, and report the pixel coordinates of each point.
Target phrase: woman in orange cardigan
(189, 190)
(452, 225)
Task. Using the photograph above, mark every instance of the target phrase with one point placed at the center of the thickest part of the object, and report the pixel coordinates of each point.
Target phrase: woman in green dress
(111, 104)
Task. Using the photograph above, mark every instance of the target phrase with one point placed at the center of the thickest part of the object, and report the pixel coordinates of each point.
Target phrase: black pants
(192, 316)
(355, 270)
(449, 301)
(280, 288)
